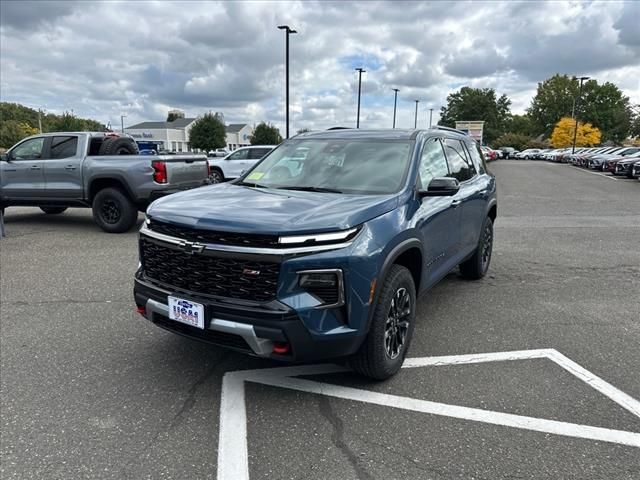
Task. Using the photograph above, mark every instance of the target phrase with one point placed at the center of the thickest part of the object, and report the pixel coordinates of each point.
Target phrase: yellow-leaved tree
(562, 135)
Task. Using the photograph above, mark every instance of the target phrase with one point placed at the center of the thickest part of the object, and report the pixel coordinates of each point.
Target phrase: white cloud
(142, 58)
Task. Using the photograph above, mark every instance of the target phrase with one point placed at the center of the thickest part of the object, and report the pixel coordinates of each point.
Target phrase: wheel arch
(98, 183)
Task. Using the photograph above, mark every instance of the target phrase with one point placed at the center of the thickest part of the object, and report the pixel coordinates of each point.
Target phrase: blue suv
(321, 249)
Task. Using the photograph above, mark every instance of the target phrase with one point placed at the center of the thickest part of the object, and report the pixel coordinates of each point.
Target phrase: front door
(236, 163)
(22, 174)
(437, 218)
(63, 168)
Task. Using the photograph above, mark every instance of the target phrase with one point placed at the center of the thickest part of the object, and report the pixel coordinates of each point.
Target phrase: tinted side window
(29, 150)
(459, 165)
(63, 147)
(257, 153)
(473, 150)
(432, 162)
(239, 155)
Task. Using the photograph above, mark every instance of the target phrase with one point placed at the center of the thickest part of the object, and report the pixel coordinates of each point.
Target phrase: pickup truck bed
(59, 170)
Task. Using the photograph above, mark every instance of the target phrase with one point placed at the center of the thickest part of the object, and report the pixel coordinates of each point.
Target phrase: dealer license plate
(185, 311)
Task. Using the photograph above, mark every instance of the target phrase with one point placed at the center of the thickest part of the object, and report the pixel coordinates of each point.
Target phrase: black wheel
(113, 211)
(477, 266)
(383, 351)
(118, 146)
(53, 210)
(216, 176)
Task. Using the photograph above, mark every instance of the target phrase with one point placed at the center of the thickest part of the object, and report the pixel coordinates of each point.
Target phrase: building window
(179, 146)
(173, 146)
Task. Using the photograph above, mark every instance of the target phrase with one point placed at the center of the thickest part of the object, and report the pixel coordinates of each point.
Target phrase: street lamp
(415, 121)
(577, 109)
(288, 31)
(395, 104)
(122, 117)
(360, 71)
(430, 117)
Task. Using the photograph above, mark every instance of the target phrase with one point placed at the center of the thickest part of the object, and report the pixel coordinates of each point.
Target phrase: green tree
(477, 104)
(208, 133)
(521, 124)
(604, 106)
(12, 131)
(515, 140)
(266, 134)
(303, 130)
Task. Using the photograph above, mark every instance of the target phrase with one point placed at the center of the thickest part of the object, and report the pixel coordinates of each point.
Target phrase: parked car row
(615, 160)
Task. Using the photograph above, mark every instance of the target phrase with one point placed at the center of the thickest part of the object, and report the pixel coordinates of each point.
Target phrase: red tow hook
(280, 348)
(141, 309)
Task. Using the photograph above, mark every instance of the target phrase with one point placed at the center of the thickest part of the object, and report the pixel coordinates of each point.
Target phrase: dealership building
(174, 136)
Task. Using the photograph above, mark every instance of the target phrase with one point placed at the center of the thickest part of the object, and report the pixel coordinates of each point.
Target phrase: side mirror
(441, 187)
(5, 157)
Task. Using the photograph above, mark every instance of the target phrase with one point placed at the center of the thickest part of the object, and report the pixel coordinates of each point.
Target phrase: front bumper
(256, 330)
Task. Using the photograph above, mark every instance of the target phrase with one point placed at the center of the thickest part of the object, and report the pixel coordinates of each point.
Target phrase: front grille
(219, 338)
(210, 236)
(207, 275)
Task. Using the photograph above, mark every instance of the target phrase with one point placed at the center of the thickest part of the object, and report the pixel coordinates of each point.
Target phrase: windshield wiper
(312, 189)
(251, 184)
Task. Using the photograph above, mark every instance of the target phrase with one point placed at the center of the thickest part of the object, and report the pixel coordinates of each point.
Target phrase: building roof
(177, 123)
(235, 127)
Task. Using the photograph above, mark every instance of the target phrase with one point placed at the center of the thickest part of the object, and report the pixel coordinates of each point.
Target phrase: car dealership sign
(474, 129)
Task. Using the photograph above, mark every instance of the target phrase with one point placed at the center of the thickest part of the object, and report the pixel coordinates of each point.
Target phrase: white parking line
(233, 461)
(610, 177)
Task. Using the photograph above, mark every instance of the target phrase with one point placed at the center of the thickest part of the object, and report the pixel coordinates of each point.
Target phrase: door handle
(69, 167)
(35, 167)
(455, 203)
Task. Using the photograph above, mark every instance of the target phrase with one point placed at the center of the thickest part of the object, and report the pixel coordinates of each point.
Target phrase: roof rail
(339, 128)
(449, 129)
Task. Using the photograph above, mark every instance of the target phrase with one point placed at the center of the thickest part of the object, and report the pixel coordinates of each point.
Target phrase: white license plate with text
(187, 312)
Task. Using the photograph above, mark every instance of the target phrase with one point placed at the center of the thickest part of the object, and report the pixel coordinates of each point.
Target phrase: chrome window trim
(251, 250)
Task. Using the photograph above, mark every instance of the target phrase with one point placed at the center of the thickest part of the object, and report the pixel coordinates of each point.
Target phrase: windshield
(335, 165)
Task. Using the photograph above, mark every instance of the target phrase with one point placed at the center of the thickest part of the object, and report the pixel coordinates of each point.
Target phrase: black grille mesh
(225, 277)
(209, 236)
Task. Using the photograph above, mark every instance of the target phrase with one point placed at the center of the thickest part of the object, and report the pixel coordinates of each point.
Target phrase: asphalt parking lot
(89, 389)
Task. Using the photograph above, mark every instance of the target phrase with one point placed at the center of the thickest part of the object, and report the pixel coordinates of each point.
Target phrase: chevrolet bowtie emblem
(190, 248)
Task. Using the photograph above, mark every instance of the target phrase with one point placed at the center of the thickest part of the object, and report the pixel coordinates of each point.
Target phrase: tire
(113, 211)
(477, 266)
(216, 176)
(375, 358)
(118, 146)
(53, 210)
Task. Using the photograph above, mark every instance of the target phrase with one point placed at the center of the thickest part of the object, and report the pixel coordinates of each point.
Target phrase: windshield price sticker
(255, 176)
(187, 312)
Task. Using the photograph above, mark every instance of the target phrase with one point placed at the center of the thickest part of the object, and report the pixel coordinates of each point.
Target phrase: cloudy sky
(141, 58)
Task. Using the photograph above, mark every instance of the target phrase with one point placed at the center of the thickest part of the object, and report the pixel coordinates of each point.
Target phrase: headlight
(319, 238)
(326, 285)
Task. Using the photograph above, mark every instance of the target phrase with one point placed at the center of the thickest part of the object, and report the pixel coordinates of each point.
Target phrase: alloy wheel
(110, 211)
(487, 244)
(397, 325)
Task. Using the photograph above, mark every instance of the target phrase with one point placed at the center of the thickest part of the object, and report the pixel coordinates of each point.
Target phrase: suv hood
(234, 208)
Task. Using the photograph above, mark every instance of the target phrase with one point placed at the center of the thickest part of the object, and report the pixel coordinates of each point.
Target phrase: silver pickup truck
(58, 170)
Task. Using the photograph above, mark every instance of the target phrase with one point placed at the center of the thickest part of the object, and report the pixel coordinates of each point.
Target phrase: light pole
(395, 104)
(122, 117)
(415, 121)
(430, 117)
(577, 109)
(288, 31)
(360, 71)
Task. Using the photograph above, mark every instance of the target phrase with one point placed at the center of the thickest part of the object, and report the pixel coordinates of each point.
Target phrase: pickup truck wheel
(216, 176)
(383, 351)
(113, 211)
(53, 210)
(477, 266)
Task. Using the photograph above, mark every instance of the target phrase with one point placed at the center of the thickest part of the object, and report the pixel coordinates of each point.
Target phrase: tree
(208, 133)
(562, 135)
(521, 124)
(604, 106)
(12, 131)
(477, 104)
(266, 134)
(303, 130)
(515, 140)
